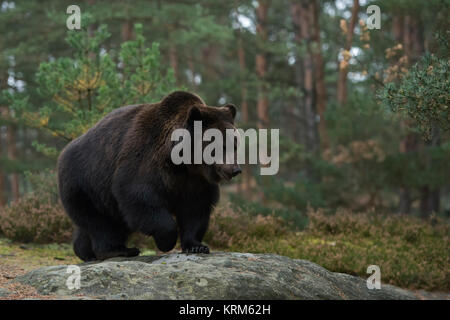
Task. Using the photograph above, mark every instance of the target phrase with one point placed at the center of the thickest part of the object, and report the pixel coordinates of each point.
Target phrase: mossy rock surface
(198, 276)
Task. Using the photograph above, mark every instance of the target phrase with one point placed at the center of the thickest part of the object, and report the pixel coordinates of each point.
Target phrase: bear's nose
(236, 171)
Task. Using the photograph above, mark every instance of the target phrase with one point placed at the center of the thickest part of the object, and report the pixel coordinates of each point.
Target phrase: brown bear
(119, 178)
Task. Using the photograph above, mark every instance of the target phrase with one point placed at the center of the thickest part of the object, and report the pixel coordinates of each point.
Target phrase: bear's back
(92, 155)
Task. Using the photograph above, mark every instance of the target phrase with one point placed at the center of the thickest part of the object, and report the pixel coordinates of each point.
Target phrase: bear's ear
(232, 109)
(193, 114)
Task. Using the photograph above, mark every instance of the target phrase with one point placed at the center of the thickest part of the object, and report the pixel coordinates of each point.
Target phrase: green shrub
(37, 217)
(292, 217)
(422, 95)
(412, 253)
(233, 228)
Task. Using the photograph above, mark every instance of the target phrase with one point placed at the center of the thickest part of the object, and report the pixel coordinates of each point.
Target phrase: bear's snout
(236, 170)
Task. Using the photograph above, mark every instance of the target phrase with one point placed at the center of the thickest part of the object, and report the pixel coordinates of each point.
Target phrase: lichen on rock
(218, 275)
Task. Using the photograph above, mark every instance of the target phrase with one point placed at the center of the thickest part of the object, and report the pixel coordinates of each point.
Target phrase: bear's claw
(197, 249)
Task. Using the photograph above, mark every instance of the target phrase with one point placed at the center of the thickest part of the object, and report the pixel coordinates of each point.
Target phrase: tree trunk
(91, 30)
(3, 85)
(244, 102)
(2, 178)
(262, 107)
(173, 55)
(410, 142)
(321, 94)
(190, 63)
(429, 201)
(405, 202)
(412, 37)
(397, 27)
(407, 41)
(11, 150)
(127, 31)
(12, 155)
(408, 145)
(246, 174)
(261, 66)
(308, 83)
(303, 22)
(342, 78)
(211, 63)
(430, 198)
(173, 58)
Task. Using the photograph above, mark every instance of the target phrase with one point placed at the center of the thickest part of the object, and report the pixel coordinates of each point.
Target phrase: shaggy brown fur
(118, 178)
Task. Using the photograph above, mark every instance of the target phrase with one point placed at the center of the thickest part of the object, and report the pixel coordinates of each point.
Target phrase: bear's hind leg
(82, 245)
(107, 237)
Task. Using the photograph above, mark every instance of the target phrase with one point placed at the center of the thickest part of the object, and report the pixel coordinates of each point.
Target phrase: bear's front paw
(196, 249)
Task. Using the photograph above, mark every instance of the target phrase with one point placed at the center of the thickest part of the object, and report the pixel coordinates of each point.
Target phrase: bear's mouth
(227, 175)
(224, 176)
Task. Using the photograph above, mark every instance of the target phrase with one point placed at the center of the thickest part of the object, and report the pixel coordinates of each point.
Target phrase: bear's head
(206, 125)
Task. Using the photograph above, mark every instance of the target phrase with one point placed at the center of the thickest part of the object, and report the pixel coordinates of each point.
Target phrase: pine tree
(82, 89)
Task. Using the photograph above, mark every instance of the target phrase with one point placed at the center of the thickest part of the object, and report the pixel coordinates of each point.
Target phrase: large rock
(213, 276)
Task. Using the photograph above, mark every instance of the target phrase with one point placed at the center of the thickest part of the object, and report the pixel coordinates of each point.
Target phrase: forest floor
(17, 259)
